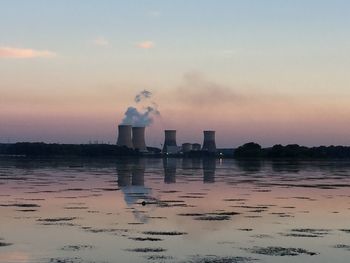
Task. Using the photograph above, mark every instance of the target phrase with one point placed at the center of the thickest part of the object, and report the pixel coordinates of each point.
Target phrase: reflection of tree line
(131, 172)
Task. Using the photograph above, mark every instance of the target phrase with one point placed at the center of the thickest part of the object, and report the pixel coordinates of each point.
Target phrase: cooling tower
(209, 144)
(124, 136)
(170, 139)
(138, 138)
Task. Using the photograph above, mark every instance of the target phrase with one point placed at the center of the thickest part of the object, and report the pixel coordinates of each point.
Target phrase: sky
(273, 72)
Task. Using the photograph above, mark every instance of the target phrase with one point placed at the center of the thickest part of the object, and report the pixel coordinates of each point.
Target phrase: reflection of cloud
(11, 52)
(101, 41)
(146, 44)
(197, 89)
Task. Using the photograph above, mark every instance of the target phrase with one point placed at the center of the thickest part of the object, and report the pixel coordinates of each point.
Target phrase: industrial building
(134, 138)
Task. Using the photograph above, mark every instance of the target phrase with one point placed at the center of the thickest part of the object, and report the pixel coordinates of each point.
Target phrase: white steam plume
(143, 117)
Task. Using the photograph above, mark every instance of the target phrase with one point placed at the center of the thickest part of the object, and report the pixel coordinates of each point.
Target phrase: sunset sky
(266, 71)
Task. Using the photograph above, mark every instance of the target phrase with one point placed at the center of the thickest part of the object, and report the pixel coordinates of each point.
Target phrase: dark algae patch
(342, 246)
(158, 258)
(213, 218)
(147, 250)
(164, 233)
(20, 205)
(4, 244)
(217, 259)
(66, 260)
(145, 238)
(279, 251)
(307, 232)
(56, 219)
(77, 247)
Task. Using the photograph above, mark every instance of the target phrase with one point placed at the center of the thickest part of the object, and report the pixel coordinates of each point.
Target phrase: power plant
(134, 138)
(138, 139)
(170, 145)
(209, 144)
(124, 136)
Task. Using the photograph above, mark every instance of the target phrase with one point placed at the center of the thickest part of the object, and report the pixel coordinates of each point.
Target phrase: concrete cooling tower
(138, 138)
(209, 144)
(124, 136)
(170, 139)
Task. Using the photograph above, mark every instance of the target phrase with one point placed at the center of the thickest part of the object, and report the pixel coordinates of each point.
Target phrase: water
(174, 210)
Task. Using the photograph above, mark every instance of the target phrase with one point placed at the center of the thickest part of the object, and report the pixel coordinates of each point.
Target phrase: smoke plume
(145, 94)
(144, 116)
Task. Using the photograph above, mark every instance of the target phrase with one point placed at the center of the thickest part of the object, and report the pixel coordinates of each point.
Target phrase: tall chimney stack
(138, 138)
(170, 139)
(124, 136)
(209, 144)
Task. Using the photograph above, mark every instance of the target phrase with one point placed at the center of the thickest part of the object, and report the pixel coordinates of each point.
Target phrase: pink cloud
(101, 41)
(146, 45)
(11, 52)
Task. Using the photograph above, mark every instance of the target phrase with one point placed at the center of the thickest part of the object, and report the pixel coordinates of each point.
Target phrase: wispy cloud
(12, 52)
(101, 41)
(196, 89)
(146, 44)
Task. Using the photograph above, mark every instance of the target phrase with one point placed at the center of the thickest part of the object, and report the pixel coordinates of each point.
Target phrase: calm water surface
(174, 210)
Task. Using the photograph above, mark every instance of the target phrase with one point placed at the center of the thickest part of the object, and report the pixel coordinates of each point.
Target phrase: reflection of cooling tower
(169, 165)
(124, 136)
(170, 139)
(209, 167)
(209, 141)
(138, 138)
(124, 173)
(138, 172)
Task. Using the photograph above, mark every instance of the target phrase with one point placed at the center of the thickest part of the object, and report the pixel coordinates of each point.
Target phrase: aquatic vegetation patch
(77, 247)
(56, 219)
(235, 200)
(213, 218)
(299, 235)
(108, 189)
(157, 217)
(158, 258)
(279, 251)
(346, 247)
(20, 205)
(224, 213)
(191, 214)
(245, 229)
(76, 207)
(66, 260)
(164, 233)
(218, 259)
(4, 244)
(104, 230)
(191, 196)
(147, 249)
(262, 236)
(145, 238)
(311, 231)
